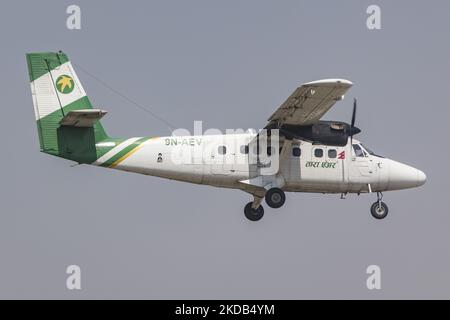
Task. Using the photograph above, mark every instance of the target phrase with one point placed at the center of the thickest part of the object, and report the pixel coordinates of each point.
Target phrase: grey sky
(230, 64)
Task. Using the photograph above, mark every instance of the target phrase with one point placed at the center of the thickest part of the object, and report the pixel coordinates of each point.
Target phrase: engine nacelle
(330, 133)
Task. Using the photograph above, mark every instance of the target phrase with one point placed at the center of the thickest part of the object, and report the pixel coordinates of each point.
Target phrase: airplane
(295, 152)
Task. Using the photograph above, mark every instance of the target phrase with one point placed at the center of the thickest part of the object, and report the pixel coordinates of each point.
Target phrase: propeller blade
(353, 121)
(354, 113)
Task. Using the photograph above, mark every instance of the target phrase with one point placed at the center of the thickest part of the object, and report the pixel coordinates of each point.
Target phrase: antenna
(103, 83)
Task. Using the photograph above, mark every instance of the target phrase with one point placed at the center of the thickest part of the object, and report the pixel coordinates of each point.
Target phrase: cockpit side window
(358, 151)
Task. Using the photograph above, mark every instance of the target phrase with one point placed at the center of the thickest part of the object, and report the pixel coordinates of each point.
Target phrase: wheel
(275, 198)
(253, 214)
(379, 210)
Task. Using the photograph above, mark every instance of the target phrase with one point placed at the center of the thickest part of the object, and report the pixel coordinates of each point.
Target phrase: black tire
(379, 210)
(253, 214)
(275, 198)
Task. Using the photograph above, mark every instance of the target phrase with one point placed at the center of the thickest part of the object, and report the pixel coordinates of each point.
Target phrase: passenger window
(296, 152)
(332, 153)
(358, 151)
(222, 150)
(318, 153)
(244, 149)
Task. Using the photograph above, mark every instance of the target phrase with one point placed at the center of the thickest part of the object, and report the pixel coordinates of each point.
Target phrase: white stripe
(33, 95)
(45, 96)
(115, 150)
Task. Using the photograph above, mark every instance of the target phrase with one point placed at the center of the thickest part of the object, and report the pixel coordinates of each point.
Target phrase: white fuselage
(224, 161)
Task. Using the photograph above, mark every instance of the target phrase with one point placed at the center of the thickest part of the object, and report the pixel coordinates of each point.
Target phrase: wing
(310, 102)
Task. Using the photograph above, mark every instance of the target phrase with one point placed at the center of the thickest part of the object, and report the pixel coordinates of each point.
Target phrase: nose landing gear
(379, 209)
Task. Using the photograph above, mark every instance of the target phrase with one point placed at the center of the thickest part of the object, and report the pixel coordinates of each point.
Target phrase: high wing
(309, 102)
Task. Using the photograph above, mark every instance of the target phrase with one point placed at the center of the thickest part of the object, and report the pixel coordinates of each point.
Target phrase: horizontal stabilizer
(82, 118)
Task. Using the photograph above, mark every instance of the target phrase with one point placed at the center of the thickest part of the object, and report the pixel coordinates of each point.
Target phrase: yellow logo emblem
(65, 84)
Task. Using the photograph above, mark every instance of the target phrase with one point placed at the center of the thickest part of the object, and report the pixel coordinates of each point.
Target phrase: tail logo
(65, 84)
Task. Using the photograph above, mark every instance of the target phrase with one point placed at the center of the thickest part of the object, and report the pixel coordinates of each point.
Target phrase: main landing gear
(253, 214)
(274, 197)
(379, 209)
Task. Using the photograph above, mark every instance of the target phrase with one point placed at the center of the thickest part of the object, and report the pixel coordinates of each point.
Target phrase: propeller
(352, 126)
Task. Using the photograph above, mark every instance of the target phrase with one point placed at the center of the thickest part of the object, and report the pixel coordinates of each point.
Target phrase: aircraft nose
(402, 176)
(421, 178)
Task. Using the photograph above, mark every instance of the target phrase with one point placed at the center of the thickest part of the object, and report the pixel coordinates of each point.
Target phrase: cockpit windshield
(370, 151)
(358, 150)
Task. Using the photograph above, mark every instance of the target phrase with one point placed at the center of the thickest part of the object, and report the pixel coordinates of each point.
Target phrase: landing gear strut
(275, 198)
(379, 209)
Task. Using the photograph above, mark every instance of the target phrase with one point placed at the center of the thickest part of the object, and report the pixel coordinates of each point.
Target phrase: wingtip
(330, 81)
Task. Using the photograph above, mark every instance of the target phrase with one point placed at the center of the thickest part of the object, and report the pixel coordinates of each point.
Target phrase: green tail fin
(56, 91)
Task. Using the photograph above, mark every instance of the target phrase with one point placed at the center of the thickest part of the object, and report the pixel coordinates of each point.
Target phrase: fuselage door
(360, 161)
(294, 162)
(363, 169)
(222, 159)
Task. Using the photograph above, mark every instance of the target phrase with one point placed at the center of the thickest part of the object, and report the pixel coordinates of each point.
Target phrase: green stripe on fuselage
(123, 152)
